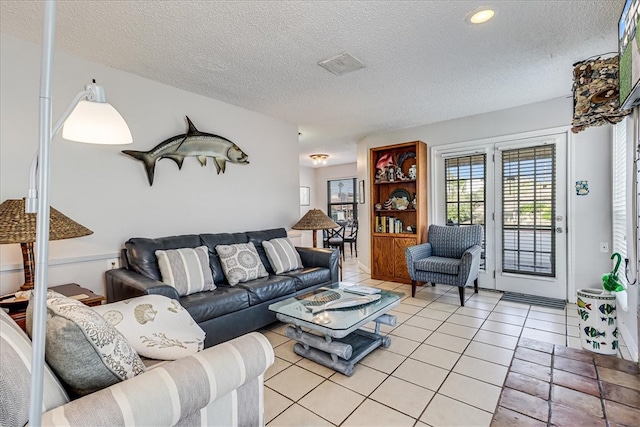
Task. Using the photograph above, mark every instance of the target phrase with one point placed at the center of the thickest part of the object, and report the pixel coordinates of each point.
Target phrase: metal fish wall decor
(192, 144)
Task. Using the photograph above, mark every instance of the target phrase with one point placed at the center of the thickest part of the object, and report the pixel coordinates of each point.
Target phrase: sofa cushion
(257, 237)
(309, 276)
(438, 264)
(268, 288)
(83, 348)
(282, 255)
(157, 327)
(213, 240)
(209, 305)
(15, 376)
(240, 262)
(186, 269)
(141, 252)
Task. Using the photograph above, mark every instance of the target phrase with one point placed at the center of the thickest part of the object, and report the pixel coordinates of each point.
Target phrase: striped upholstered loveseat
(221, 385)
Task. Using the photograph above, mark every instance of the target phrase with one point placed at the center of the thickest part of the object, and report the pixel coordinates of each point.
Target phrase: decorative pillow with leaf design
(81, 347)
(156, 326)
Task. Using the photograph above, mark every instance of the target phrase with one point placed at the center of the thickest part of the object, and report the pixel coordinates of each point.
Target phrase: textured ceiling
(424, 62)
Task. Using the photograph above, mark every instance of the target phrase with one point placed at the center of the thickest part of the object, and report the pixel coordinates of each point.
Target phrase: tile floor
(446, 365)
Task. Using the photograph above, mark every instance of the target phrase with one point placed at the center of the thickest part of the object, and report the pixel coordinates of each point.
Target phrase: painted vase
(598, 321)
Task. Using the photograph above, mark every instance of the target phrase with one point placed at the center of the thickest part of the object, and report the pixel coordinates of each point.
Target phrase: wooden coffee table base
(340, 354)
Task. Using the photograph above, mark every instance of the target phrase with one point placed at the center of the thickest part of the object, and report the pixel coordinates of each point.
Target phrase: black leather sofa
(228, 311)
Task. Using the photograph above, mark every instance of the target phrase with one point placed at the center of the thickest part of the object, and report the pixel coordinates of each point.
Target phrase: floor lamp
(89, 118)
(315, 220)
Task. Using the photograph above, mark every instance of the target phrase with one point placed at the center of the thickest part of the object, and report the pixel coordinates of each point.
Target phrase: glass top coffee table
(332, 318)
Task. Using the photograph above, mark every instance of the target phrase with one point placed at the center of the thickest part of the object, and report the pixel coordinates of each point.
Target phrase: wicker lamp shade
(17, 226)
(314, 220)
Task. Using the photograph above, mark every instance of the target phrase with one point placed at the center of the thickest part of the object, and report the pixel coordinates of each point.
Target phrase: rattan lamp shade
(314, 220)
(17, 226)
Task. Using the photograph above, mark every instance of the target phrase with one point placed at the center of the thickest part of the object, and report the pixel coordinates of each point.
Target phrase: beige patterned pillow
(282, 255)
(84, 350)
(186, 269)
(240, 262)
(157, 327)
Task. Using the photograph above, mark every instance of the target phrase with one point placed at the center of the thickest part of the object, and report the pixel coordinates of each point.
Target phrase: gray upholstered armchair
(451, 257)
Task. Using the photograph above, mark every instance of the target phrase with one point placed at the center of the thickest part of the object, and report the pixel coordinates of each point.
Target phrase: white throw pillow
(157, 327)
(186, 269)
(282, 255)
(240, 262)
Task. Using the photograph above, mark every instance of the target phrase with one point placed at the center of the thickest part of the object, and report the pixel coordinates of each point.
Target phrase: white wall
(108, 192)
(308, 179)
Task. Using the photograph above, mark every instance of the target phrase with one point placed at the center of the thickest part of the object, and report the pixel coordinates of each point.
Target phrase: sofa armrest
(221, 385)
(415, 253)
(124, 284)
(321, 257)
(470, 264)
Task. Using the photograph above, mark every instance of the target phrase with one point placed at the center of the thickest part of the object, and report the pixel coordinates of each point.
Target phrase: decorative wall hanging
(582, 188)
(595, 93)
(192, 144)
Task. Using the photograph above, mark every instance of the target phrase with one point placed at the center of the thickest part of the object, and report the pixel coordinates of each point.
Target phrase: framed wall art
(305, 199)
(361, 191)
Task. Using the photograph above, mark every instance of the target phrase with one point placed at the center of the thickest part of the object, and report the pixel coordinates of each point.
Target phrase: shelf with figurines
(388, 171)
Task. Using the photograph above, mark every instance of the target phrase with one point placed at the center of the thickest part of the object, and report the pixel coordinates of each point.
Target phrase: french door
(530, 216)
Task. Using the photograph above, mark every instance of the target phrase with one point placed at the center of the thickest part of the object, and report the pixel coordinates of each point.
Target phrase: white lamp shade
(96, 123)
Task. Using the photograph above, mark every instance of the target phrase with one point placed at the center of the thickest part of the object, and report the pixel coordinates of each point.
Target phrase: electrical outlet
(604, 247)
(113, 263)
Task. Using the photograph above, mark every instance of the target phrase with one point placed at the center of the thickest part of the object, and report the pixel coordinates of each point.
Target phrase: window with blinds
(528, 210)
(465, 179)
(619, 190)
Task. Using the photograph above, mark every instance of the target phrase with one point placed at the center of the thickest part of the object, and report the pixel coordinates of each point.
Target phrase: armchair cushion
(157, 327)
(83, 348)
(438, 264)
(186, 269)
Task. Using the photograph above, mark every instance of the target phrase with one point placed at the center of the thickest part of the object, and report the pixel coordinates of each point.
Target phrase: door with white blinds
(530, 214)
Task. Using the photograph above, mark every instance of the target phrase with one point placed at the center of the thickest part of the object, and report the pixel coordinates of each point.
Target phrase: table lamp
(17, 226)
(315, 220)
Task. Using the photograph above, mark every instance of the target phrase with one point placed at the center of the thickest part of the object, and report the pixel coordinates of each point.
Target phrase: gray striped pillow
(282, 255)
(186, 269)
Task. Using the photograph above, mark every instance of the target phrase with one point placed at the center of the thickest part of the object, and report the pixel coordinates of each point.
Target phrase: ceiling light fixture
(319, 159)
(480, 16)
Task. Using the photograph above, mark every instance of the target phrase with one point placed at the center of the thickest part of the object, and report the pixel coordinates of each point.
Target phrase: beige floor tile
(447, 342)
(403, 396)
(473, 312)
(573, 321)
(274, 404)
(490, 353)
(278, 327)
(285, 351)
(278, 366)
(294, 382)
(373, 414)
(415, 301)
(507, 318)
(446, 412)
(436, 356)
(422, 374)
(573, 331)
(402, 346)
(574, 342)
(296, 416)
(561, 312)
(516, 311)
(411, 332)
(407, 308)
(471, 391)
(274, 338)
(400, 316)
(432, 313)
(316, 368)
(450, 299)
(331, 401)
(385, 361)
(539, 315)
(503, 303)
(387, 285)
(545, 325)
(544, 336)
(481, 370)
(479, 305)
(364, 379)
(371, 282)
(457, 330)
(482, 297)
(472, 322)
(494, 338)
(424, 323)
(449, 308)
(502, 328)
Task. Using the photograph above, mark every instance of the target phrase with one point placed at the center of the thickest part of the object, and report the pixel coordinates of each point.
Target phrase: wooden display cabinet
(394, 227)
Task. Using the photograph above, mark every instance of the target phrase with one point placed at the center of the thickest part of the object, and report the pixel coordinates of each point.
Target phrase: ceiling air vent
(341, 64)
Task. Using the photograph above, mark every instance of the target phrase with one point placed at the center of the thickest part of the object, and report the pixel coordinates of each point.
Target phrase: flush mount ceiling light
(481, 15)
(319, 159)
(341, 64)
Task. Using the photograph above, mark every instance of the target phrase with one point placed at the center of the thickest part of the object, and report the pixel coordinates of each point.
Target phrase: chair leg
(413, 289)
(433, 284)
(475, 285)
(461, 290)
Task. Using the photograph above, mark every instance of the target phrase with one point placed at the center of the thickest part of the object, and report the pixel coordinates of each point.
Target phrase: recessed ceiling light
(480, 16)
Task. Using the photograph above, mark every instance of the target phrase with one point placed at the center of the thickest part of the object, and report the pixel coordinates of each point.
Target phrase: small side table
(71, 290)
